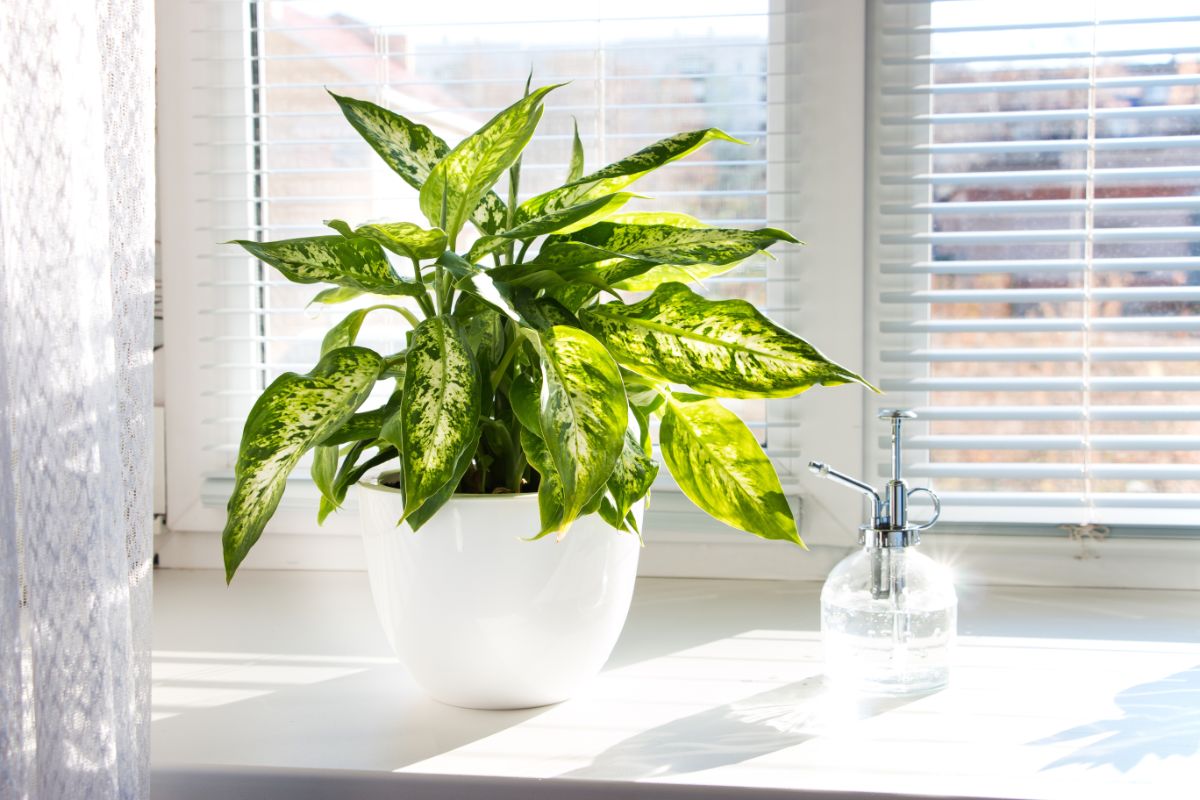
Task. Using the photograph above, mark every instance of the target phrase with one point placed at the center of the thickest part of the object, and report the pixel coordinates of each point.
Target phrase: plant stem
(514, 181)
(423, 297)
(524, 246)
(518, 472)
(509, 354)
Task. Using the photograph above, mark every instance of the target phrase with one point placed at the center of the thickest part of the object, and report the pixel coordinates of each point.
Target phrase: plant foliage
(526, 367)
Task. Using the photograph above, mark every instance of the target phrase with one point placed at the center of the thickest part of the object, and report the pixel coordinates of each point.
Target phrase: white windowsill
(282, 686)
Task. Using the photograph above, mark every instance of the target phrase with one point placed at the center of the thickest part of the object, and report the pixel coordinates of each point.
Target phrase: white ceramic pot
(482, 619)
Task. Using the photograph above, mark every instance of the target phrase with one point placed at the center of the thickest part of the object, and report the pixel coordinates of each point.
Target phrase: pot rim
(372, 482)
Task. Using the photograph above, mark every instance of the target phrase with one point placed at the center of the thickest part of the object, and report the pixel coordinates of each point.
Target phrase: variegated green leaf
(551, 509)
(724, 348)
(612, 253)
(292, 415)
(670, 244)
(413, 150)
(354, 263)
(439, 498)
(439, 411)
(632, 476)
(720, 466)
(542, 313)
(570, 219)
(463, 178)
(336, 294)
(485, 246)
(665, 273)
(345, 333)
(481, 286)
(482, 327)
(575, 172)
(402, 238)
(582, 414)
(620, 174)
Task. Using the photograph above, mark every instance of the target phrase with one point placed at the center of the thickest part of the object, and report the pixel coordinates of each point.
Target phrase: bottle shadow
(735, 732)
(1160, 719)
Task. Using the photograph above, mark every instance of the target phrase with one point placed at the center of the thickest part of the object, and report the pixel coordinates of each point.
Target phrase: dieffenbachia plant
(525, 367)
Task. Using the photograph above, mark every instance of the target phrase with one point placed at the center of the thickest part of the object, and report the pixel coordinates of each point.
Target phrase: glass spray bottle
(888, 612)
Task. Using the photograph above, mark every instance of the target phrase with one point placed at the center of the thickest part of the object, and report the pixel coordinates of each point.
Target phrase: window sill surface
(282, 685)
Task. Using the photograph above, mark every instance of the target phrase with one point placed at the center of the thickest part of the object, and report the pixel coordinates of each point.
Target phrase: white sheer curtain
(76, 295)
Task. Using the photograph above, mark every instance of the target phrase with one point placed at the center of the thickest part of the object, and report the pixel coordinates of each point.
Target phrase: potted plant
(519, 429)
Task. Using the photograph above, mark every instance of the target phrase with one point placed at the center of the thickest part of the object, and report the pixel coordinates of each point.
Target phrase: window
(1034, 192)
(269, 156)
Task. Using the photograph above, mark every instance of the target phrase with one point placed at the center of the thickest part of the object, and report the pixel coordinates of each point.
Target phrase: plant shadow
(1160, 719)
(735, 732)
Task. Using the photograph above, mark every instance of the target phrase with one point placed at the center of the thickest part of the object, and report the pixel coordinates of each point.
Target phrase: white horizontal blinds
(1037, 254)
(636, 73)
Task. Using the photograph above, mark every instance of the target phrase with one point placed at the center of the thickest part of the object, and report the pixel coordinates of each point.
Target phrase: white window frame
(817, 187)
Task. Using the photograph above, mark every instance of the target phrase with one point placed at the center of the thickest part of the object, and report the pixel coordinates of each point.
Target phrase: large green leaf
(565, 221)
(458, 182)
(664, 273)
(671, 244)
(354, 263)
(413, 150)
(439, 410)
(620, 174)
(292, 415)
(608, 253)
(582, 414)
(724, 348)
(720, 466)
(570, 219)
(402, 238)
(439, 498)
(542, 313)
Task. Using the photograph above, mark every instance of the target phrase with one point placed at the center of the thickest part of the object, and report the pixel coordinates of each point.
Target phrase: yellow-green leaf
(725, 348)
(570, 219)
(292, 415)
(413, 150)
(402, 238)
(720, 466)
(582, 415)
(463, 178)
(620, 174)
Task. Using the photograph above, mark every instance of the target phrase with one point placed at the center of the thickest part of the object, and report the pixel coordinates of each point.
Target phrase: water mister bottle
(888, 612)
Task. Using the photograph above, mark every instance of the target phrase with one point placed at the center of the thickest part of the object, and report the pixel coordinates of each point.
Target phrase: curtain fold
(76, 327)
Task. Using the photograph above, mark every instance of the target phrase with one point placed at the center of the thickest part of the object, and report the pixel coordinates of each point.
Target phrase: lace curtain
(76, 310)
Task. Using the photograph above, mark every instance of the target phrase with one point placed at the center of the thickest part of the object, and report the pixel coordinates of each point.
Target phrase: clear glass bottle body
(888, 621)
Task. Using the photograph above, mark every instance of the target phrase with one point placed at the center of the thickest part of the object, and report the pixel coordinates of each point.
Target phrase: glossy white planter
(482, 619)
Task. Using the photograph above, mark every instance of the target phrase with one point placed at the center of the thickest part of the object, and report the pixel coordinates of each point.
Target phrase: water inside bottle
(875, 647)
